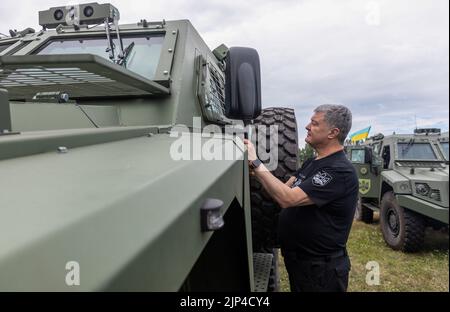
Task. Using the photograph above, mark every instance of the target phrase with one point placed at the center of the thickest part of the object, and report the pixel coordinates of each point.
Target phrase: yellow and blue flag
(360, 135)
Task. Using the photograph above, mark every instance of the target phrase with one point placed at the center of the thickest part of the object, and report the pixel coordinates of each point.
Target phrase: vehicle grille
(438, 196)
(216, 94)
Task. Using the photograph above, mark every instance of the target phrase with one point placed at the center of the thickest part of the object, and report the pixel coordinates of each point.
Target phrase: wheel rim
(393, 222)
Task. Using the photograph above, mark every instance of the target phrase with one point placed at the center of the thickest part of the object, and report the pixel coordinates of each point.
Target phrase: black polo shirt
(323, 228)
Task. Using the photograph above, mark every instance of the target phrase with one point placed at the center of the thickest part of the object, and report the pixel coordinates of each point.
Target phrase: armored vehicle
(405, 178)
(115, 161)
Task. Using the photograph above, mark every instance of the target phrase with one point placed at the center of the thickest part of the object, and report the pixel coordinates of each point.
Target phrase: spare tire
(264, 210)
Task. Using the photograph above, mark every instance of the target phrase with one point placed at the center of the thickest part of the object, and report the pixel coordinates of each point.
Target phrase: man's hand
(290, 181)
(251, 150)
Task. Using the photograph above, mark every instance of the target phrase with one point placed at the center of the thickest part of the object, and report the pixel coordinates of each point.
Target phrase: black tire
(264, 210)
(363, 213)
(437, 225)
(402, 229)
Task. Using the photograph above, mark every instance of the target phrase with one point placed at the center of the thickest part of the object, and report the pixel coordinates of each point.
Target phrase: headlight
(58, 15)
(211, 217)
(422, 189)
(88, 11)
(404, 187)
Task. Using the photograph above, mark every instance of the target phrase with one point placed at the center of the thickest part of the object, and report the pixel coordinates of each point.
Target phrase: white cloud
(319, 51)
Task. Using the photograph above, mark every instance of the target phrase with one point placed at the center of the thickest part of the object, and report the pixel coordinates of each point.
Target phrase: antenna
(415, 120)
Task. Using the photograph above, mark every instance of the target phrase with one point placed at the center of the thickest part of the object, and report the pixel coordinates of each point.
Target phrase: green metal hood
(124, 210)
(436, 180)
(425, 174)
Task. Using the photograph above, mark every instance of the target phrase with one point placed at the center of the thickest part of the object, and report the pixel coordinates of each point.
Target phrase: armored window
(416, 151)
(357, 156)
(445, 149)
(211, 90)
(386, 155)
(143, 58)
(216, 96)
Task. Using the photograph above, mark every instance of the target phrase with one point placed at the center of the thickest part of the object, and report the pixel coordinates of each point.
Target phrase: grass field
(427, 270)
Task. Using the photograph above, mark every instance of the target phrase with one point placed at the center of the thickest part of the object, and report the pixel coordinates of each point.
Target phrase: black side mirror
(368, 157)
(242, 84)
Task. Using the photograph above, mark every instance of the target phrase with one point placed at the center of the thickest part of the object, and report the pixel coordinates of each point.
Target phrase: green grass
(426, 270)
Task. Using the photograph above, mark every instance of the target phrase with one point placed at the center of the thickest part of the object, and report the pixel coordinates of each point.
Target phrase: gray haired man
(318, 204)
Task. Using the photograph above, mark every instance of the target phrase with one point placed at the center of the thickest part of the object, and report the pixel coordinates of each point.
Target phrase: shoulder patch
(321, 178)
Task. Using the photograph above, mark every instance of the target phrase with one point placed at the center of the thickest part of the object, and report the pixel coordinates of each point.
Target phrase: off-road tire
(363, 213)
(264, 210)
(402, 229)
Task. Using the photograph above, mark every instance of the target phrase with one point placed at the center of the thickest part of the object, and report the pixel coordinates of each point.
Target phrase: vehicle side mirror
(368, 157)
(242, 84)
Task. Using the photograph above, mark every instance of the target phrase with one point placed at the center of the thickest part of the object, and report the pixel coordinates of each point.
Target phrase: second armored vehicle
(405, 178)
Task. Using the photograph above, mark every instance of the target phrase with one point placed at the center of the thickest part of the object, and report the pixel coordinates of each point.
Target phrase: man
(318, 205)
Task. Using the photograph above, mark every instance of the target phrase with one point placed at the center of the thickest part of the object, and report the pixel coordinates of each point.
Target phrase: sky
(387, 60)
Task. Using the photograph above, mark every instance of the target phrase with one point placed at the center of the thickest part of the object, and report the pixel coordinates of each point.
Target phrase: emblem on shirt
(321, 178)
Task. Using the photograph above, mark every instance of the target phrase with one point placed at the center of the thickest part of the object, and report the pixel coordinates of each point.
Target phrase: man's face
(319, 132)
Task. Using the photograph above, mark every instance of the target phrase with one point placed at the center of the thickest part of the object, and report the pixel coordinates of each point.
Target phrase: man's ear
(334, 132)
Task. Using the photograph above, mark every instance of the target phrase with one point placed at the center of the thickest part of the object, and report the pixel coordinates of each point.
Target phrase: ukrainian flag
(360, 135)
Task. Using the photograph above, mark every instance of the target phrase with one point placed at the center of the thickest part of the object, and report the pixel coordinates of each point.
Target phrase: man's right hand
(290, 181)
(251, 150)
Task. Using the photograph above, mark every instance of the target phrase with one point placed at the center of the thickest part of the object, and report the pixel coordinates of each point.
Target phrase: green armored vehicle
(405, 178)
(122, 160)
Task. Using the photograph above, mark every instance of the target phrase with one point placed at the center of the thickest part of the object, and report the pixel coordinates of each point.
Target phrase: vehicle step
(262, 263)
(371, 206)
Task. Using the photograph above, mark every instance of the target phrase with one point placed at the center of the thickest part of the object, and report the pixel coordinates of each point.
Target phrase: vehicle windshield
(357, 155)
(445, 148)
(143, 58)
(416, 151)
